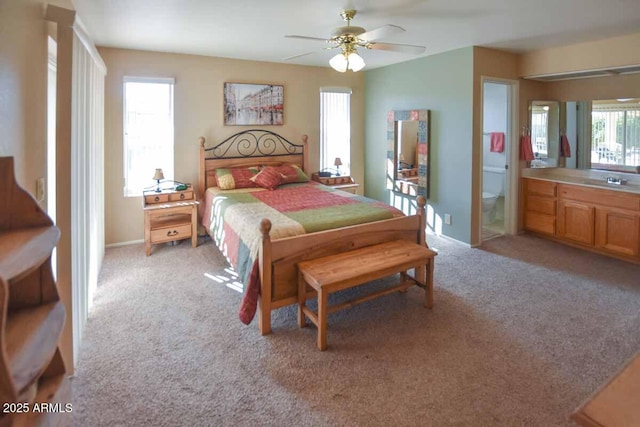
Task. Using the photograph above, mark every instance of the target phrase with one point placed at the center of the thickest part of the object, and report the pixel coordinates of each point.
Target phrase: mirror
(544, 125)
(408, 152)
(598, 134)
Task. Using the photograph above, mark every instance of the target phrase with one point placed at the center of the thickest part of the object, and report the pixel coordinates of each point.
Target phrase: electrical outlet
(447, 219)
(40, 189)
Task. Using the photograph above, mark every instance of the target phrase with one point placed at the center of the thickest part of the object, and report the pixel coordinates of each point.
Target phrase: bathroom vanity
(584, 210)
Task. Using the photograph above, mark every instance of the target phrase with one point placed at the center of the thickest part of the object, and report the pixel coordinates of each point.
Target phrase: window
(148, 132)
(615, 134)
(335, 129)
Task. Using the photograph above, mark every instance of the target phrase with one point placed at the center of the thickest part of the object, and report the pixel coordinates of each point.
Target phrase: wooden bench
(350, 269)
(616, 403)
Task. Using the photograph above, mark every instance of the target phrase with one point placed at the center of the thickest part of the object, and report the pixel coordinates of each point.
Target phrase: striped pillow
(268, 178)
(231, 178)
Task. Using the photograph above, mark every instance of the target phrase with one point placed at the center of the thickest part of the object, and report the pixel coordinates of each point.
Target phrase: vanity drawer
(544, 205)
(542, 188)
(540, 222)
(610, 198)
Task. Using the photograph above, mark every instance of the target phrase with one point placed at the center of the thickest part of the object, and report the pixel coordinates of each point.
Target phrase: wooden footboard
(279, 258)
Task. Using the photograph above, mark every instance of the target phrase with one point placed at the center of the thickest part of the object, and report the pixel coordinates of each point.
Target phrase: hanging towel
(565, 148)
(497, 142)
(526, 152)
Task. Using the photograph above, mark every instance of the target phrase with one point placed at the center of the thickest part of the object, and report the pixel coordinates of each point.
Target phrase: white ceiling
(254, 29)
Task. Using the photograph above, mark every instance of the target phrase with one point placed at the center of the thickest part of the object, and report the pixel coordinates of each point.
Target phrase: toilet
(492, 189)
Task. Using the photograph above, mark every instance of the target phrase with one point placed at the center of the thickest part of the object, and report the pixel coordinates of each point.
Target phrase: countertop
(593, 179)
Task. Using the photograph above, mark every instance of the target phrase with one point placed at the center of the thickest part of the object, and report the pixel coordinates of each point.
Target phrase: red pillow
(268, 178)
(291, 173)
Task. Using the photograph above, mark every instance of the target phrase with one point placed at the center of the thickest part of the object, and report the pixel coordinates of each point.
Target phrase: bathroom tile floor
(495, 229)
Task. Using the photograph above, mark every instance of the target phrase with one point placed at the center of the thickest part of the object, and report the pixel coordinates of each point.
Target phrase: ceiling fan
(349, 38)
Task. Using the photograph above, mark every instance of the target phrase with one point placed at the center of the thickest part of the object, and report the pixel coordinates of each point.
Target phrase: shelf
(54, 390)
(31, 337)
(24, 250)
(170, 221)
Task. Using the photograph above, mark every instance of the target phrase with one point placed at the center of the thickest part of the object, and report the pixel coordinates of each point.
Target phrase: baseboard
(130, 242)
(444, 236)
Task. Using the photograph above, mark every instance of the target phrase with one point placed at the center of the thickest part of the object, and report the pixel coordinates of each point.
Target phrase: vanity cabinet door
(576, 221)
(618, 231)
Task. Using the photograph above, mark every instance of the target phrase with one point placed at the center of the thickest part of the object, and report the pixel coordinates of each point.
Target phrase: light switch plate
(447, 219)
(40, 189)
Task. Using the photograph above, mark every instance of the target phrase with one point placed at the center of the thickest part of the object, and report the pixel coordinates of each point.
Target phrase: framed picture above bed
(253, 104)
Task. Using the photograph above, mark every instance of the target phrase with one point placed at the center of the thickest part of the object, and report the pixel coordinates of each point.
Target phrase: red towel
(497, 142)
(526, 152)
(565, 148)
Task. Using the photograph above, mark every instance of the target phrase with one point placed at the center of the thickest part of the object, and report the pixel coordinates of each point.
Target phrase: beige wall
(624, 86)
(601, 54)
(198, 112)
(23, 88)
(488, 63)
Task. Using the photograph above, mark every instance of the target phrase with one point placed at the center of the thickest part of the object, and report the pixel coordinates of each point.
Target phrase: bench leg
(322, 320)
(403, 278)
(302, 293)
(429, 285)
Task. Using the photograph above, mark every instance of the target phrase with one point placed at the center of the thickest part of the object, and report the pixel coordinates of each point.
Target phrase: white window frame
(167, 163)
(335, 142)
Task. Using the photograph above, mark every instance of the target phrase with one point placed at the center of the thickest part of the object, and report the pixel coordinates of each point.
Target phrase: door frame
(513, 171)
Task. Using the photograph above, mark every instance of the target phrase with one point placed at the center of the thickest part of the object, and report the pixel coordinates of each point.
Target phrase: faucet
(615, 180)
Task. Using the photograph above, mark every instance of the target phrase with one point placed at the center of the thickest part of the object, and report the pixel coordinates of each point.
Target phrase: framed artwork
(253, 104)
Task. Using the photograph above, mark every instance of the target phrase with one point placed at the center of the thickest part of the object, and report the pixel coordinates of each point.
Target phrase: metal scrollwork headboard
(248, 148)
(254, 143)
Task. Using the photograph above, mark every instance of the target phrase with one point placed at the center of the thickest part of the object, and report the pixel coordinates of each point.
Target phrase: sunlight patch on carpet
(230, 279)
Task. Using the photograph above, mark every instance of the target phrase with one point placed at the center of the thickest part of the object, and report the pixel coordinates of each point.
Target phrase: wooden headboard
(248, 148)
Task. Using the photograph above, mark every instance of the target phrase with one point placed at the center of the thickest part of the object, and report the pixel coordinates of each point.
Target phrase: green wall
(442, 83)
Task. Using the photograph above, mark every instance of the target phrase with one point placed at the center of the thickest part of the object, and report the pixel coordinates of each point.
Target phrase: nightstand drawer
(156, 198)
(182, 195)
(171, 233)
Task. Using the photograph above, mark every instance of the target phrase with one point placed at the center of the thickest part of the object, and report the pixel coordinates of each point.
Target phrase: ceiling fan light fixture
(347, 61)
(339, 63)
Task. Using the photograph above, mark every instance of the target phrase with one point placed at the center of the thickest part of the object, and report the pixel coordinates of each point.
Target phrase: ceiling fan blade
(392, 47)
(307, 38)
(378, 33)
(288, 58)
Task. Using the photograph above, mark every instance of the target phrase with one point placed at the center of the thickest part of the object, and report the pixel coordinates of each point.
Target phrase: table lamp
(158, 176)
(337, 163)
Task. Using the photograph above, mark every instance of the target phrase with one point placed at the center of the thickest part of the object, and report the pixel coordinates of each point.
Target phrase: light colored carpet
(523, 330)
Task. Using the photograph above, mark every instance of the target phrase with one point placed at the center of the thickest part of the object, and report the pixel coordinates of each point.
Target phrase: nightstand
(169, 216)
(344, 183)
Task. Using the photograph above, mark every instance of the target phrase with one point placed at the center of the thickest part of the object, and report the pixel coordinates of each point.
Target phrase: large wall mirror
(593, 134)
(408, 152)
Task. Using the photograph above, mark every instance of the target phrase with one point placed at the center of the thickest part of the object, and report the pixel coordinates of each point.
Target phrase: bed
(264, 233)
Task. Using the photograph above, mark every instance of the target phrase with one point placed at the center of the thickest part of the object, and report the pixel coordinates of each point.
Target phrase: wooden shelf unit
(32, 316)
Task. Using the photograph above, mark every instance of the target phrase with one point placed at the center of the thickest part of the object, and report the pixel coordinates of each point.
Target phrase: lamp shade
(158, 175)
(356, 63)
(347, 61)
(337, 162)
(339, 63)
(402, 157)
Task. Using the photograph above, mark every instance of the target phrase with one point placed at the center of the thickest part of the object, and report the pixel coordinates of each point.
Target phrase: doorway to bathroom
(498, 103)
